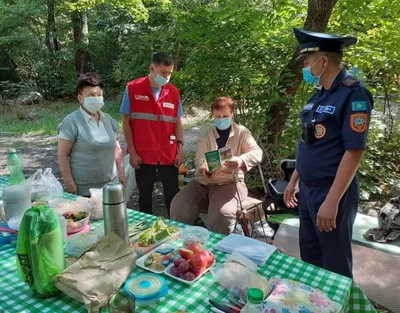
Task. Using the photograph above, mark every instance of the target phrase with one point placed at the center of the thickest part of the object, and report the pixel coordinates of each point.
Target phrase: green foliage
(222, 47)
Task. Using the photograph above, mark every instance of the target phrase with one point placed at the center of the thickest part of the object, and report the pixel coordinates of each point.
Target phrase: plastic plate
(141, 260)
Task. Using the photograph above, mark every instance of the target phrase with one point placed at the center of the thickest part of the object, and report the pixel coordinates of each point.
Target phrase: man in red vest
(152, 126)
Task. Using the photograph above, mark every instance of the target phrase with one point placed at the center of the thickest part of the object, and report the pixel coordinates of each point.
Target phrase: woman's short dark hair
(90, 79)
(162, 58)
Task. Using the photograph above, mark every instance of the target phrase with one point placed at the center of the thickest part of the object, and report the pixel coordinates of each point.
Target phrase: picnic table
(17, 298)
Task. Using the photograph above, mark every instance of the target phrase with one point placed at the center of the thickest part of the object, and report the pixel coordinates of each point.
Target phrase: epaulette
(349, 81)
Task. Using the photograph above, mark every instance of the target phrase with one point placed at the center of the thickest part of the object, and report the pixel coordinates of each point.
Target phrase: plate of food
(159, 233)
(158, 260)
(191, 266)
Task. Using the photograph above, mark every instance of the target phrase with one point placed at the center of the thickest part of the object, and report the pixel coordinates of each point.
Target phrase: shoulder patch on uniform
(359, 122)
(359, 106)
(349, 82)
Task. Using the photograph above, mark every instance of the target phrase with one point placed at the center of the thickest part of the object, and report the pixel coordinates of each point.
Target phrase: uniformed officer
(335, 123)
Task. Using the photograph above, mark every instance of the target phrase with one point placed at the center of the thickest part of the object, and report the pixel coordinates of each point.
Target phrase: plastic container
(146, 289)
(255, 298)
(195, 237)
(77, 226)
(15, 166)
(16, 200)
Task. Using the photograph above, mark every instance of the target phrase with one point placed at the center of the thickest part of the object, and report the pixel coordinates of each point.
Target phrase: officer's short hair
(335, 57)
(162, 58)
(90, 79)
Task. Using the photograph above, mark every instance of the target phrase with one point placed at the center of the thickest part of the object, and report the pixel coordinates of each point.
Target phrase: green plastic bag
(40, 250)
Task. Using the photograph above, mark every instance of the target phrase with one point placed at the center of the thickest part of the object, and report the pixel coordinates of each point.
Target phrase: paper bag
(98, 273)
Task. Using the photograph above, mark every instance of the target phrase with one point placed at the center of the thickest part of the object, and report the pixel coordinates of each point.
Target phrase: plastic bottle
(15, 165)
(255, 298)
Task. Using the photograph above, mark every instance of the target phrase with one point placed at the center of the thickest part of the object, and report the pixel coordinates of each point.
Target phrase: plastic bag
(44, 185)
(40, 253)
(130, 179)
(237, 279)
(96, 204)
(76, 246)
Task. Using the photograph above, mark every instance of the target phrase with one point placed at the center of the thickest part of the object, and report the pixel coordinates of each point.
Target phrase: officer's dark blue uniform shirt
(341, 116)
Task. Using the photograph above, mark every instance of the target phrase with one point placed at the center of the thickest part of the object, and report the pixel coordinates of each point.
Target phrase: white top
(98, 131)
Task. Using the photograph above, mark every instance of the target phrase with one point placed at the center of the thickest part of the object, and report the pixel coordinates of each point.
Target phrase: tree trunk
(81, 40)
(177, 54)
(319, 12)
(51, 35)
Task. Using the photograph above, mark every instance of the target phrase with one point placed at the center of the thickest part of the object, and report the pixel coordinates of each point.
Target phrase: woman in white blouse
(89, 154)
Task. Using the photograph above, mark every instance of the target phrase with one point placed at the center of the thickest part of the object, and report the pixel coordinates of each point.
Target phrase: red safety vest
(153, 121)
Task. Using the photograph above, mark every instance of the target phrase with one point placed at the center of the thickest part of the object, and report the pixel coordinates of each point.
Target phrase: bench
(376, 266)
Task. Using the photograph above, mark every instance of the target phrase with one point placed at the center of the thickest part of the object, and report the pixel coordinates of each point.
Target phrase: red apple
(186, 253)
(199, 261)
(183, 267)
(210, 257)
(189, 276)
(197, 272)
(178, 261)
(195, 247)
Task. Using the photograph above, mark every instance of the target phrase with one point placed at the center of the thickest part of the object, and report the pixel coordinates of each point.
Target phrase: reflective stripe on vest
(144, 116)
(167, 118)
(153, 117)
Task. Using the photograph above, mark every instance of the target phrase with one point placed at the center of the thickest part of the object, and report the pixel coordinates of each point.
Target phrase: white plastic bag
(44, 185)
(130, 179)
(96, 204)
(76, 246)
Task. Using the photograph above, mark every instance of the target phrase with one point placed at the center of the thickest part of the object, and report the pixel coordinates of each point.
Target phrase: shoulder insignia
(349, 81)
(359, 122)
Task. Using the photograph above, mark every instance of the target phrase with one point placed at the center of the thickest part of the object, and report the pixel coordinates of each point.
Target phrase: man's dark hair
(89, 80)
(162, 58)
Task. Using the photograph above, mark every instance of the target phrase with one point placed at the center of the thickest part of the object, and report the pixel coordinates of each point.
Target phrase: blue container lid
(146, 287)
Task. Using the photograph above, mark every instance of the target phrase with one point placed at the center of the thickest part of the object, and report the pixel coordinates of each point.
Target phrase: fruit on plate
(186, 253)
(195, 247)
(190, 269)
(178, 261)
(158, 261)
(183, 267)
(189, 276)
(199, 261)
(210, 257)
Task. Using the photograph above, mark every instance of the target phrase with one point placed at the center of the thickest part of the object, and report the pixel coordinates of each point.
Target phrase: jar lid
(255, 295)
(146, 287)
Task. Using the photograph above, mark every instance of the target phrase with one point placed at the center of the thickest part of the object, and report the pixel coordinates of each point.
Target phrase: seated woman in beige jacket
(218, 192)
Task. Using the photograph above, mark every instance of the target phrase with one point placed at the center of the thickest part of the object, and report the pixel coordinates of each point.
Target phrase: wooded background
(241, 48)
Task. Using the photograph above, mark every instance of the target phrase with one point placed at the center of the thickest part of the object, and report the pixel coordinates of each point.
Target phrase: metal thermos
(114, 209)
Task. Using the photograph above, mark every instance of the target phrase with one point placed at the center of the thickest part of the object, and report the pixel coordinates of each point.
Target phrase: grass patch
(43, 119)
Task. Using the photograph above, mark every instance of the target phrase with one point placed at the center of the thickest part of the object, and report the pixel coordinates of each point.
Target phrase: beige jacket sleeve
(251, 152)
(201, 148)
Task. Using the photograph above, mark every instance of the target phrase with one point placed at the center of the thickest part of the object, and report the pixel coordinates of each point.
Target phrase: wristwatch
(179, 142)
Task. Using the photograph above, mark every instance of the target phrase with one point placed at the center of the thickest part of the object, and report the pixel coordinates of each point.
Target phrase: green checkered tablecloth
(15, 296)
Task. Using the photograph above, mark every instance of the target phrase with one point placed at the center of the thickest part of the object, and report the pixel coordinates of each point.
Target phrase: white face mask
(93, 104)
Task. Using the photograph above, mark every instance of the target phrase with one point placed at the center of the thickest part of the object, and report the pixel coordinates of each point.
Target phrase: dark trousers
(145, 178)
(328, 250)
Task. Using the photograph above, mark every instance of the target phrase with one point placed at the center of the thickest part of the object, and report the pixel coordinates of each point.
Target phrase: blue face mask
(309, 77)
(161, 80)
(223, 123)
